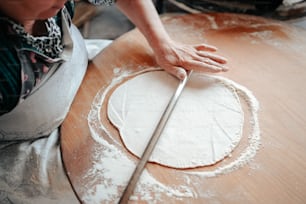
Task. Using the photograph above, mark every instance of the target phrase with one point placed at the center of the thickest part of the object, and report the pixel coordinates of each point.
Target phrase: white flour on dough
(205, 126)
(110, 161)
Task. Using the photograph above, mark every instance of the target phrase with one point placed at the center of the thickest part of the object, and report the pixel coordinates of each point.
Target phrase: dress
(42, 84)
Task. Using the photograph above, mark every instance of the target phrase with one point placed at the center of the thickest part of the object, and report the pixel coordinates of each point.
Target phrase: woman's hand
(176, 58)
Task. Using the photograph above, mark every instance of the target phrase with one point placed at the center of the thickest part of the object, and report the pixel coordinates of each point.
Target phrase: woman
(42, 64)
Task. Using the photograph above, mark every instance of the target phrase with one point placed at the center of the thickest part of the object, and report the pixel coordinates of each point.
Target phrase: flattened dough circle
(205, 126)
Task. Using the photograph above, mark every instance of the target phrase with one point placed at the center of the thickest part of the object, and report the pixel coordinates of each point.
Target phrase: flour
(206, 122)
(112, 167)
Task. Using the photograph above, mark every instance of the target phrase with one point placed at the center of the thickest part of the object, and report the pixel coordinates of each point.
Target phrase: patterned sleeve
(102, 2)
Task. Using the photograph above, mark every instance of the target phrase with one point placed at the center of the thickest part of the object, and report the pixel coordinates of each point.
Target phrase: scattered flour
(206, 122)
(112, 169)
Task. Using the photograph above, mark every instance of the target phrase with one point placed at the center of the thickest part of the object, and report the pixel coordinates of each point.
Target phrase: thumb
(178, 72)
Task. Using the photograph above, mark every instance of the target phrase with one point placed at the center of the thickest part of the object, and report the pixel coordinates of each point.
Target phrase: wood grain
(266, 56)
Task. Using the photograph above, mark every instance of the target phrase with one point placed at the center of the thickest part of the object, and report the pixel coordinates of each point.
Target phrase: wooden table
(268, 57)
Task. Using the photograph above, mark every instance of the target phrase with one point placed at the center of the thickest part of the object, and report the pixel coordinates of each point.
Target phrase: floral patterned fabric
(26, 60)
(49, 45)
(104, 2)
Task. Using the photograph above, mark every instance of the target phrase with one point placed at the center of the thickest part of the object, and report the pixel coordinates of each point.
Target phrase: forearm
(143, 14)
(173, 57)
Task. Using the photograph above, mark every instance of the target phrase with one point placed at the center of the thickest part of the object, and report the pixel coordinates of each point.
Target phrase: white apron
(45, 109)
(31, 168)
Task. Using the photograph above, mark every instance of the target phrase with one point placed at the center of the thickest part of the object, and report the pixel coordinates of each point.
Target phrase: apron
(45, 109)
(31, 168)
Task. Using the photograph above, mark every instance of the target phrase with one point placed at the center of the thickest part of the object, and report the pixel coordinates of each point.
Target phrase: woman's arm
(171, 56)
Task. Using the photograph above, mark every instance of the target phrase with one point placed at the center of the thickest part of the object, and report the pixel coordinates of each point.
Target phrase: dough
(205, 125)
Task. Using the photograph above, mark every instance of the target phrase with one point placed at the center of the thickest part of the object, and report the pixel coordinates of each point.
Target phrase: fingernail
(225, 69)
(181, 74)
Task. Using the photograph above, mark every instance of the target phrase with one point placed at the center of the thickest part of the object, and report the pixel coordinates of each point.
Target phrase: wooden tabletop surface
(265, 56)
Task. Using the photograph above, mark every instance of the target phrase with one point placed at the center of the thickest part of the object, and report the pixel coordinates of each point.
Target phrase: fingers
(205, 47)
(207, 66)
(212, 56)
(204, 50)
(208, 61)
(204, 62)
(210, 64)
(201, 58)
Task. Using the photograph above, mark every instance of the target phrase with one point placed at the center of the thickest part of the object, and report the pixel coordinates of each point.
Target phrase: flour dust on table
(209, 104)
